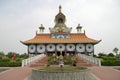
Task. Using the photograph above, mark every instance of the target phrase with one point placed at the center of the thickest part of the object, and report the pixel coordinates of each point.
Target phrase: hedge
(111, 62)
(10, 64)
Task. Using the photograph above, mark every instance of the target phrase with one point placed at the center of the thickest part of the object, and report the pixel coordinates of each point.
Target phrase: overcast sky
(19, 20)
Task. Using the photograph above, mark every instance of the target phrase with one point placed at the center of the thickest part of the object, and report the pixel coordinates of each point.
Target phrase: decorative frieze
(79, 48)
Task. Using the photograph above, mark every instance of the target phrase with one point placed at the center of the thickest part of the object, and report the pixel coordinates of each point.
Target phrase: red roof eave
(46, 38)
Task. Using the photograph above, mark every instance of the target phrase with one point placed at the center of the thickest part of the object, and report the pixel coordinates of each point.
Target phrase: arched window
(60, 20)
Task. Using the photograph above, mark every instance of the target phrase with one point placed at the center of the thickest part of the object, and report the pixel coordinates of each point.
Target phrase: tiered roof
(74, 38)
(60, 28)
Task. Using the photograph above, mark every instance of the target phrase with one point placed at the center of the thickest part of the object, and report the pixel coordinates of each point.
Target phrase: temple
(60, 39)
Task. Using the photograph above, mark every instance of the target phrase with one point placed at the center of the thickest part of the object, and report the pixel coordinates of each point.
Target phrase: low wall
(61, 75)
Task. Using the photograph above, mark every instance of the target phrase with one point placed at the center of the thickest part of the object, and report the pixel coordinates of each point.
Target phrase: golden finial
(60, 8)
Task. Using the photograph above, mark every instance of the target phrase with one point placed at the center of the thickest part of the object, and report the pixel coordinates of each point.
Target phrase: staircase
(83, 63)
(41, 62)
(44, 61)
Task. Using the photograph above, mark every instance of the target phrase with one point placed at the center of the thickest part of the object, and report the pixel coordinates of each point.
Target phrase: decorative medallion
(89, 47)
(70, 47)
(80, 47)
(31, 48)
(60, 47)
(51, 47)
(40, 48)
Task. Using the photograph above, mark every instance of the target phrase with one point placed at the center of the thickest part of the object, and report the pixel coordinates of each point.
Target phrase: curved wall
(61, 75)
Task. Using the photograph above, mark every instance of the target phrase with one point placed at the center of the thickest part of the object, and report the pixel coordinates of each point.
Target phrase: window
(31, 47)
(60, 46)
(60, 36)
(80, 47)
(40, 47)
(50, 46)
(60, 20)
(67, 36)
(89, 47)
(70, 47)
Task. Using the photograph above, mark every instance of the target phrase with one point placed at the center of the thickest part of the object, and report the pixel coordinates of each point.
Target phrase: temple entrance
(59, 53)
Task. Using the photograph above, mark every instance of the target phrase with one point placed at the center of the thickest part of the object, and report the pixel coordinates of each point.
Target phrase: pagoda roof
(74, 38)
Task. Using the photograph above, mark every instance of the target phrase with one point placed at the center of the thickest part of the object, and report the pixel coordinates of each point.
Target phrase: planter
(61, 75)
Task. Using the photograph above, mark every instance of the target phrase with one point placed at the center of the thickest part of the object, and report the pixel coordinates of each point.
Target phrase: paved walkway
(105, 73)
(18, 73)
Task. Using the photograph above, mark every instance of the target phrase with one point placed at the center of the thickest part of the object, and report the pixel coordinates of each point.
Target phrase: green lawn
(67, 68)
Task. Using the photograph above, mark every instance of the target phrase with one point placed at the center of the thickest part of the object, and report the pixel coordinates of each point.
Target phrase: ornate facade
(60, 39)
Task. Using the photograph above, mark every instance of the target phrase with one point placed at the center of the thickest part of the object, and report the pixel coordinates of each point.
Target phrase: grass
(66, 68)
(1, 70)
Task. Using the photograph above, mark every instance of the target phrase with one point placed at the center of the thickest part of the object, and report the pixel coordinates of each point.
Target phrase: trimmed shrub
(109, 58)
(5, 59)
(10, 64)
(110, 61)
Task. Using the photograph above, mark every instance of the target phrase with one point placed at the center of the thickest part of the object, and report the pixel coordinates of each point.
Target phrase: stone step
(36, 65)
(44, 61)
(82, 62)
(41, 62)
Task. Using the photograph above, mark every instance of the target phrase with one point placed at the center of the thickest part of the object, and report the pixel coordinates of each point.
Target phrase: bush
(110, 55)
(19, 59)
(14, 64)
(101, 55)
(7, 62)
(67, 59)
(24, 56)
(10, 64)
(109, 58)
(5, 59)
(111, 63)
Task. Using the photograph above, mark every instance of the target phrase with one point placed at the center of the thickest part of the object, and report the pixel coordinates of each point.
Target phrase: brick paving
(16, 73)
(105, 73)
(19, 73)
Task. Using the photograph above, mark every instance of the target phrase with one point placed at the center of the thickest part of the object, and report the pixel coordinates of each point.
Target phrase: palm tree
(115, 50)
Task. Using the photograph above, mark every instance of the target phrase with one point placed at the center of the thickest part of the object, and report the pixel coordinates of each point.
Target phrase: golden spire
(60, 8)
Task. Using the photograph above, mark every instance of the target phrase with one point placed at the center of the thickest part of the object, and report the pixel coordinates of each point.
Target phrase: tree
(2, 54)
(115, 50)
(100, 55)
(10, 54)
(110, 55)
(24, 55)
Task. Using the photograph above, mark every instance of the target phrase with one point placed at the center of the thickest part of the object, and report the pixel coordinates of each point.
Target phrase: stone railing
(30, 60)
(90, 59)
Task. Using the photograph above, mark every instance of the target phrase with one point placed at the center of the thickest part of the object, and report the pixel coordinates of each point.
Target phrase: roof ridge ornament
(60, 8)
(79, 28)
(41, 28)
